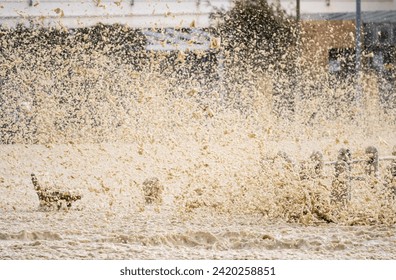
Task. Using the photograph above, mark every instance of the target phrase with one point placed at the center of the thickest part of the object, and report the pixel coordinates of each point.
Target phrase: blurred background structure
(328, 25)
(240, 54)
(134, 13)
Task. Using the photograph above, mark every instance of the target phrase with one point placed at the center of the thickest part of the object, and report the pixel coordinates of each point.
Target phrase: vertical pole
(358, 50)
(297, 78)
(341, 185)
(298, 10)
(317, 162)
(372, 163)
(393, 166)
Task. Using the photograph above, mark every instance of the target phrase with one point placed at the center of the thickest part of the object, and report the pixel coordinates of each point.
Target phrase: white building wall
(337, 6)
(134, 13)
(153, 13)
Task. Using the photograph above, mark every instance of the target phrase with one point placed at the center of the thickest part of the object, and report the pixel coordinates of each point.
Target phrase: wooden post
(393, 164)
(393, 169)
(390, 178)
(317, 163)
(372, 161)
(358, 52)
(392, 172)
(345, 155)
(341, 186)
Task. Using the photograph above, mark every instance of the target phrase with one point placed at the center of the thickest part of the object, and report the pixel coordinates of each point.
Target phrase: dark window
(384, 34)
(342, 61)
(369, 34)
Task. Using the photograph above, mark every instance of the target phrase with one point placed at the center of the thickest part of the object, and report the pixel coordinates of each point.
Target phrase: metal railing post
(358, 52)
(372, 161)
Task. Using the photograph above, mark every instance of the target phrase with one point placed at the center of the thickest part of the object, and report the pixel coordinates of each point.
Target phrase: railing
(343, 175)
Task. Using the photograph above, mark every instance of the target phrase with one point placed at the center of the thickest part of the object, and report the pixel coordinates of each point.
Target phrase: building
(134, 13)
(328, 37)
(169, 15)
(329, 30)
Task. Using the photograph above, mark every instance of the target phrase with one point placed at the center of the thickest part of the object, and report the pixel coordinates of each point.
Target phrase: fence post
(317, 163)
(390, 179)
(344, 155)
(372, 161)
(341, 187)
(393, 164)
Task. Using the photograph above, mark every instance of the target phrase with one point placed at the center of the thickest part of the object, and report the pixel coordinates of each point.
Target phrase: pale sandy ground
(209, 147)
(112, 221)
